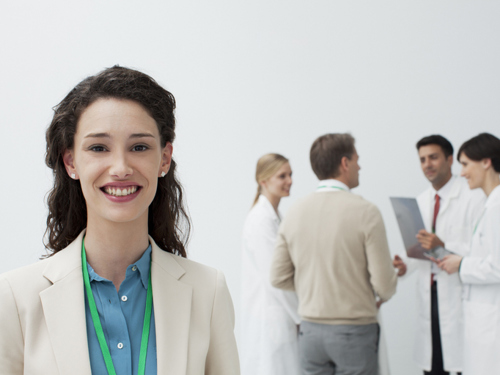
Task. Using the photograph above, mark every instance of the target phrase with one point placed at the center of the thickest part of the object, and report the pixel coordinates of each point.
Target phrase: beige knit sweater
(332, 250)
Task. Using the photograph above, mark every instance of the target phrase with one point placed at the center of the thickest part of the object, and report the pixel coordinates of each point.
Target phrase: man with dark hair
(332, 250)
(449, 210)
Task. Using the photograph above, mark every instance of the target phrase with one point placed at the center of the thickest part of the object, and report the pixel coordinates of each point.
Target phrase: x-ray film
(410, 223)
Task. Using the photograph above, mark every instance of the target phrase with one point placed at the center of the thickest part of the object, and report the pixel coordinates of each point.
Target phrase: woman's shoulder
(184, 269)
(25, 274)
(24, 284)
(261, 214)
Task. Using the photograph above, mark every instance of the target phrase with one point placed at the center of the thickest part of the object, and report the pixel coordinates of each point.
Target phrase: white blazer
(480, 273)
(269, 315)
(43, 325)
(455, 223)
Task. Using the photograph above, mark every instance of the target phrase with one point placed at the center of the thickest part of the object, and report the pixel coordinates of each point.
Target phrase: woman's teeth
(117, 192)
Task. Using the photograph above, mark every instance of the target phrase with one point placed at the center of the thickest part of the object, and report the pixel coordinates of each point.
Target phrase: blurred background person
(332, 250)
(449, 210)
(480, 269)
(269, 315)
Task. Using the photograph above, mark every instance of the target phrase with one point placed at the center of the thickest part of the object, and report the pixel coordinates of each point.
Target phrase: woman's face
(280, 183)
(118, 157)
(473, 171)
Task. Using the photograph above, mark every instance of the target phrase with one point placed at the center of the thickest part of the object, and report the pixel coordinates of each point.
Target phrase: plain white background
(250, 78)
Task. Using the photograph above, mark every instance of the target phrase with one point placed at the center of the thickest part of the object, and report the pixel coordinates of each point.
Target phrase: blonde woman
(269, 315)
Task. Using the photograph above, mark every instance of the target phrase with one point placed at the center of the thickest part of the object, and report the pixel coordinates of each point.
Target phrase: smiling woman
(117, 281)
(269, 315)
(479, 270)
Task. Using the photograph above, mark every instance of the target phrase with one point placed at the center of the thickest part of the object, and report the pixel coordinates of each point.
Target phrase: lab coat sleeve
(382, 274)
(222, 357)
(282, 268)
(485, 270)
(263, 246)
(11, 335)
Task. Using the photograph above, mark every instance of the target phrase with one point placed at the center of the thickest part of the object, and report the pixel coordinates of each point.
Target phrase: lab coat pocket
(481, 321)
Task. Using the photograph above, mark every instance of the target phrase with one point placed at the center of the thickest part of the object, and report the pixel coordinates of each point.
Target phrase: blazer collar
(172, 306)
(64, 310)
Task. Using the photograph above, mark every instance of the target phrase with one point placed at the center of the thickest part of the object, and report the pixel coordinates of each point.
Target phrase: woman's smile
(121, 191)
(121, 194)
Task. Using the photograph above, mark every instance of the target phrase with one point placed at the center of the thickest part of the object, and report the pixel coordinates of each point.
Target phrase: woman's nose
(120, 167)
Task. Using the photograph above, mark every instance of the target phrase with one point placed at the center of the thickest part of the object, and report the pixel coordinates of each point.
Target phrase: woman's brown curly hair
(168, 221)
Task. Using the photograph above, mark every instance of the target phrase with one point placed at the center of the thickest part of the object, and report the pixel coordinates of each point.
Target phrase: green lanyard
(478, 221)
(333, 187)
(98, 327)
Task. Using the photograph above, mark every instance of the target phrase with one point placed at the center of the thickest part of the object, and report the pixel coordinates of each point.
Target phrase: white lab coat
(480, 273)
(269, 344)
(454, 226)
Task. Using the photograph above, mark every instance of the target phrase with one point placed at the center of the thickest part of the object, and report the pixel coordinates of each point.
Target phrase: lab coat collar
(493, 198)
(451, 190)
(264, 202)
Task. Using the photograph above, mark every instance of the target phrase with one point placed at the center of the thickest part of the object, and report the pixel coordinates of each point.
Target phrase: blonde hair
(267, 166)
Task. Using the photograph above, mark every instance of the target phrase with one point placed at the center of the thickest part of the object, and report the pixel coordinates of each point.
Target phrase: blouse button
(124, 298)
(120, 345)
(134, 268)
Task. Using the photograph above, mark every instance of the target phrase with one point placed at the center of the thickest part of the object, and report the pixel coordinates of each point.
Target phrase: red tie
(436, 211)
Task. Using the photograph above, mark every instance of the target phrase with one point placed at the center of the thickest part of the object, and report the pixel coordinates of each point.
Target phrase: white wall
(250, 78)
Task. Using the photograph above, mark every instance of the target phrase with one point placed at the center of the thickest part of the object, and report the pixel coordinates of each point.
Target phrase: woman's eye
(97, 148)
(140, 148)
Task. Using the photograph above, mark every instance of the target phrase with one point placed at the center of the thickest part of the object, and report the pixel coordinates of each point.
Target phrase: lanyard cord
(333, 187)
(98, 327)
(478, 221)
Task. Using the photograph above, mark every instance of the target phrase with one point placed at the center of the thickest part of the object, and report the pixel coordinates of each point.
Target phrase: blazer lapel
(172, 307)
(64, 310)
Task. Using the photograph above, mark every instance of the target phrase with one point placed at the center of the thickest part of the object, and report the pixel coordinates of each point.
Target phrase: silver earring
(163, 174)
(73, 176)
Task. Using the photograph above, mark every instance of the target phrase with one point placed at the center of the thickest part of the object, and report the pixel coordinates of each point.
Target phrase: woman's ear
(486, 163)
(262, 185)
(69, 163)
(166, 159)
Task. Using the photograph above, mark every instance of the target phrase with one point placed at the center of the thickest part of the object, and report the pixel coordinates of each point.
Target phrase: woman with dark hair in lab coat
(480, 270)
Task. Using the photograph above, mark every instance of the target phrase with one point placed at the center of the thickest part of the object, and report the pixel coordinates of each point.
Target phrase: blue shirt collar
(142, 266)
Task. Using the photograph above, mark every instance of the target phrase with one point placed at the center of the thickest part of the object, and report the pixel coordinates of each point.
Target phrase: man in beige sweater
(332, 250)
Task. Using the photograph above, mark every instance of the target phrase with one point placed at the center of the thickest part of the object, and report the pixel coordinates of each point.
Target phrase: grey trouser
(326, 349)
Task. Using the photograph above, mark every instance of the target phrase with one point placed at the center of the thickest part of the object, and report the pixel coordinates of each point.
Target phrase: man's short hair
(327, 152)
(439, 140)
